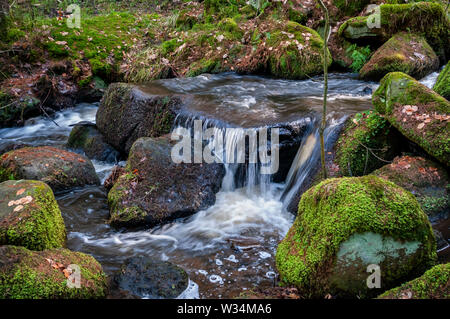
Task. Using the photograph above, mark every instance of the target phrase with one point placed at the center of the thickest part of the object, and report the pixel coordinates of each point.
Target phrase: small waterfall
(237, 148)
(307, 158)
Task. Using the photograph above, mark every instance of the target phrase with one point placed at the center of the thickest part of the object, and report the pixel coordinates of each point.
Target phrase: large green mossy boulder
(295, 52)
(442, 86)
(404, 52)
(346, 224)
(433, 284)
(26, 274)
(417, 112)
(366, 143)
(425, 18)
(30, 216)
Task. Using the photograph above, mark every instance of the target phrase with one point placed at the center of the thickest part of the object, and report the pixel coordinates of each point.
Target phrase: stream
(229, 247)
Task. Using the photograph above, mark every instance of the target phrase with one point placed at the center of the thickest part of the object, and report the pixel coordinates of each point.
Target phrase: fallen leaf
(20, 191)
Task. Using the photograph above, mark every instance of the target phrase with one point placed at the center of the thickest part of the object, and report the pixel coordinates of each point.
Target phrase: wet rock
(424, 18)
(150, 278)
(417, 112)
(93, 91)
(346, 224)
(127, 113)
(367, 142)
(15, 110)
(60, 169)
(404, 52)
(44, 274)
(427, 180)
(442, 86)
(30, 216)
(156, 190)
(433, 284)
(85, 136)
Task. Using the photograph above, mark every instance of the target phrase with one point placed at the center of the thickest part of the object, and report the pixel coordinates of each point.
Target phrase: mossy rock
(60, 169)
(442, 86)
(14, 111)
(433, 284)
(352, 7)
(127, 112)
(296, 52)
(404, 52)
(366, 143)
(418, 112)
(26, 274)
(85, 136)
(156, 190)
(30, 216)
(346, 224)
(424, 178)
(425, 18)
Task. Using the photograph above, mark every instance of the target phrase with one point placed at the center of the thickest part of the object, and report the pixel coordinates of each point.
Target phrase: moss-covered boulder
(26, 274)
(346, 224)
(60, 169)
(295, 52)
(417, 112)
(150, 278)
(442, 86)
(127, 112)
(433, 284)
(404, 52)
(425, 18)
(30, 216)
(427, 180)
(85, 136)
(156, 190)
(366, 143)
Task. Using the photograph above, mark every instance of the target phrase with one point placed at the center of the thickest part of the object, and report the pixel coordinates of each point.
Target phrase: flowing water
(229, 247)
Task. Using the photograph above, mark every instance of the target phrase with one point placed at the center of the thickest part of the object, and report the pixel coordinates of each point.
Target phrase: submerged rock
(424, 178)
(30, 216)
(150, 278)
(60, 169)
(433, 284)
(425, 18)
(367, 142)
(26, 274)
(127, 113)
(156, 190)
(417, 112)
(404, 52)
(85, 136)
(442, 86)
(346, 224)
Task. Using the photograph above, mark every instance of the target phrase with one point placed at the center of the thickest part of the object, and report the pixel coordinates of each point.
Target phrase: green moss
(204, 66)
(442, 85)
(365, 130)
(39, 225)
(29, 275)
(351, 8)
(14, 110)
(431, 285)
(334, 210)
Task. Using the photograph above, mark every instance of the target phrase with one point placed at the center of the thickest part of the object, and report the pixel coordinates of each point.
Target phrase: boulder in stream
(404, 52)
(417, 112)
(425, 179)
(127, 113)
(433, 284)
(155, 190)
(85, 136)
(150, 278)
(26, 274)
(30, 216)
(343, 226)
(60, 169)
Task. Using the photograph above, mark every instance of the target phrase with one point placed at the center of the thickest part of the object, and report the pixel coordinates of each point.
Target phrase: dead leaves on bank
(410, 112)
